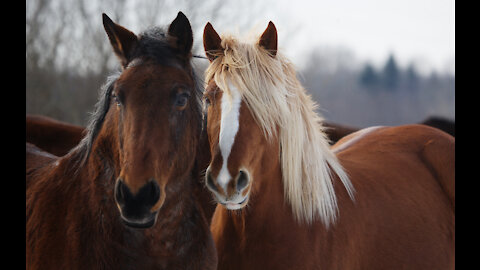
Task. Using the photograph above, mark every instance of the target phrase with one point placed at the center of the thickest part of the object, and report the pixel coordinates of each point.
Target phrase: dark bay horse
(51, 135)
(381, 198)
(336, 131)
(441, 123)
(127, 197)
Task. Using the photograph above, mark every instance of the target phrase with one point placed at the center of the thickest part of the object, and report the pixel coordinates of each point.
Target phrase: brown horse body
(385, 201)
(336, 131)
(51, 135)
(136, 168)
(401, 218)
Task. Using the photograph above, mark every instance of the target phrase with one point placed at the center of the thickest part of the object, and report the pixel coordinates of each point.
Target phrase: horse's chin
(141, 224)
(231, 206)
(236, 206)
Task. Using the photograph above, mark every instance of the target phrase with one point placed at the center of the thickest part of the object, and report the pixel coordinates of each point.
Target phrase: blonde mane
(279, 103)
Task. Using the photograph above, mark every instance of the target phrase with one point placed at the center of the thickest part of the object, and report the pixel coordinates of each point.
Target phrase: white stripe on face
(228, 130)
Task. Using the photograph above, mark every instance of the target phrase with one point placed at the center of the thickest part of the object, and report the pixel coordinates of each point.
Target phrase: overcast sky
(422, 31)
(418, 31)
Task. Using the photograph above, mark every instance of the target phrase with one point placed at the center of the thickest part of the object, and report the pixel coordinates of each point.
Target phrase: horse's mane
(153, 44)
(276, 98)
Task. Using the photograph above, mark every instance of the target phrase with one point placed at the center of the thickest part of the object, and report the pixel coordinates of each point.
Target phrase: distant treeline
(391, 77)
(389, 95)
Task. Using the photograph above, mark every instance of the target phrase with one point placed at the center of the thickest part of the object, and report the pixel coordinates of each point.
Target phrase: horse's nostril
(136, 208)
(210, 183)
(154, 191)
(122, 192)
(242, 180)
(148, 195)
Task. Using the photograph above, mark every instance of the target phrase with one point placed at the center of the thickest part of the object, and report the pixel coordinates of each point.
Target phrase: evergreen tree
(368, 77)
(411, 78)
(390, 73)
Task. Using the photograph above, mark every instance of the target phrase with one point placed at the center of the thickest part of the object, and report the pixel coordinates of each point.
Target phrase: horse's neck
(184, 237)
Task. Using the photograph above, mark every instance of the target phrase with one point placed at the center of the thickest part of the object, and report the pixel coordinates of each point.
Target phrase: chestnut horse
(335, 131)
(382, 198)
(51, 135)
(127, 197)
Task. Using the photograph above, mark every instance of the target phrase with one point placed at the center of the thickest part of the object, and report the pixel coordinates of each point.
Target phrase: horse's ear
(123, 41)
(211, 42)
(182, 34)
(268, 40)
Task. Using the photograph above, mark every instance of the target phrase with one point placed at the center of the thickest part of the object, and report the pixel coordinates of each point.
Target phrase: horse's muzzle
(135, 208)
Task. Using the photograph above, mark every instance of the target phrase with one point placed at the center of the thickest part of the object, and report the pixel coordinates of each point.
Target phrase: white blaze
(229, 124)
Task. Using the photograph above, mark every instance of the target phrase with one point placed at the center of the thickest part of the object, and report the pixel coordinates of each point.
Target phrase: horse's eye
(207, 101)
(116, 99)
(181, 100)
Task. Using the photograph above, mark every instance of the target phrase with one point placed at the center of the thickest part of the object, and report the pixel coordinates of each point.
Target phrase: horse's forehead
(140, 75)
(211, 86)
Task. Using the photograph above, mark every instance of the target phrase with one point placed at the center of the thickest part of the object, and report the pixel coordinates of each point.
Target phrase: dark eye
(207, 101)
(181, 100)
(116, 99)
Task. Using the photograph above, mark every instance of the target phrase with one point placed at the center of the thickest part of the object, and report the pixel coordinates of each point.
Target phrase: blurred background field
(366, 63)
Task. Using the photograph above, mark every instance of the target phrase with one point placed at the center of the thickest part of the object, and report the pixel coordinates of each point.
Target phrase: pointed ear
(268, 40)
(123, 41)
(211, 42)
(181, 33)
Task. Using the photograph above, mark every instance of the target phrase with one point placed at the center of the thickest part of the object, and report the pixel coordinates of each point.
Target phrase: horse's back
(404, 181)
(51, 135)
(36, 157)
(429, 146)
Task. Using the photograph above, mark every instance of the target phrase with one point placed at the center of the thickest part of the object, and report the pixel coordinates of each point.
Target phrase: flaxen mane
(276, 98)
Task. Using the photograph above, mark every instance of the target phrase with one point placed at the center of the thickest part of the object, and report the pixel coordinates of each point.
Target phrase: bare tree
(68, 55)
